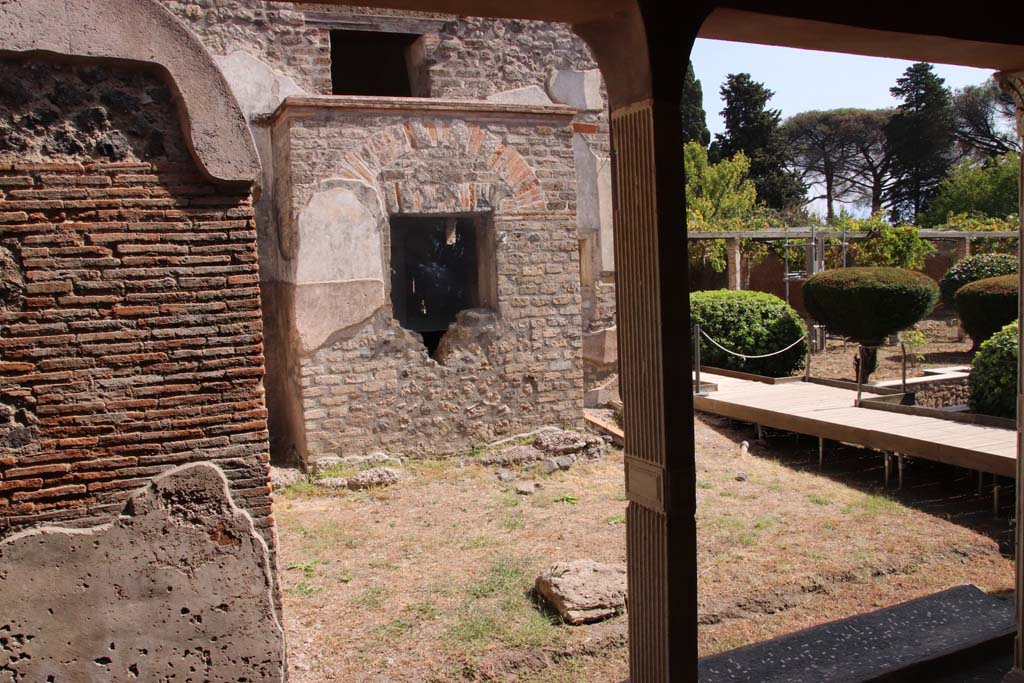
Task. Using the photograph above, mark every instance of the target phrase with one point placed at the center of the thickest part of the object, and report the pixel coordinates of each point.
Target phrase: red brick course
(138, 344)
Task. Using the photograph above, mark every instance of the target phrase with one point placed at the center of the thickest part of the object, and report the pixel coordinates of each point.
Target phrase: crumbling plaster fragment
(179, 587)
(594, 211)
(257, 87)
(578, 89)
(339, 271)
(531, 94)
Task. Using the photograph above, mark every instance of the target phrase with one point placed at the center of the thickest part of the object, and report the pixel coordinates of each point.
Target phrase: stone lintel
(406, 107)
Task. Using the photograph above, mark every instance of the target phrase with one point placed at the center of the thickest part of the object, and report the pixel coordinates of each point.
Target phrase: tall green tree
(977, 190)
(921, 136)
(695, 124)
(754, 130)
(985, 119)
(822, 152)
(870, 173)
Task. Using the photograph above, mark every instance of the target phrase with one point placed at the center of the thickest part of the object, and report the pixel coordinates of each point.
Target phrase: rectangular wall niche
(375, 64)
(441, 265)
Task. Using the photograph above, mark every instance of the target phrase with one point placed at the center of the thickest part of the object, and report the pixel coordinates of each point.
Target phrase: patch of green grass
(303, 590)
(343, 577)
(616, 519)
(701, 484)
(326, 537)
(301, 489)
(478, 542)
(818, 499)
(308, 567)
(338, 471)
(568, 499)
(746, 538)
(728, 523)
(762, 523)
(514, 522)
(382, 564)
(876, 504)
(396, 628)
(498, 609)
(371, 598)
(423, 610)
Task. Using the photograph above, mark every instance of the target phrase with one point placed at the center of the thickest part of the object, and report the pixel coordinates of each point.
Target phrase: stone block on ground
(516, 455)
(282, 477)
(564, 442)
(527, 488)
(374, 477)
(584, 591)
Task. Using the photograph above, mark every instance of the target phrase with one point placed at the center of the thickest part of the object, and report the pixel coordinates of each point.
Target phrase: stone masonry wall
(371, 385)
(130, 330)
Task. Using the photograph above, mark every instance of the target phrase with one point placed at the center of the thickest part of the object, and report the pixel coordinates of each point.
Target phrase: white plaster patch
(578, 89)
(531, 94)
(594, 198)
(339, 240)
(257, 87)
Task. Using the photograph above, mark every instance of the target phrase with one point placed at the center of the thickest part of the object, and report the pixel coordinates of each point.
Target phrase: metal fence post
(696, 357)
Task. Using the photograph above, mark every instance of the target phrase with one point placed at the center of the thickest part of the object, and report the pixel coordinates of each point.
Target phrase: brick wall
(130, 331)
(373, 386)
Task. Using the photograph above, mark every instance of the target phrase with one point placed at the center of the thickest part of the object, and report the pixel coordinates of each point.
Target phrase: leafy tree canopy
(985, 119)
(976, 190)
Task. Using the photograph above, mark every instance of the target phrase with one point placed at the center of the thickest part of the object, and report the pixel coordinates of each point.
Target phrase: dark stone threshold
(960, 634)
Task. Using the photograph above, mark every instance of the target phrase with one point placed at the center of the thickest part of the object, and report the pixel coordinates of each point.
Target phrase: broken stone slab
(180, 581)
(321, 464)
(516, 455)
(564, 462)
(374, 477)
(548, 465)
(505, 475)
(565, 442)
(282, 477)
(527, 488)
(333, 482)
(584, 591)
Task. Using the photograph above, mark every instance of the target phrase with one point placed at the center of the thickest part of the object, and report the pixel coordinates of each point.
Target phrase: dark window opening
(369, 63)
(439, 267)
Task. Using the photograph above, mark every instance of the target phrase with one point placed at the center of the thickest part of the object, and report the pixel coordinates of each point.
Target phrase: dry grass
(942, 349)
(429, 580)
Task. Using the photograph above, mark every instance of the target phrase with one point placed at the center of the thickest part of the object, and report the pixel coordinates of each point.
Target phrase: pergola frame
(641, 47)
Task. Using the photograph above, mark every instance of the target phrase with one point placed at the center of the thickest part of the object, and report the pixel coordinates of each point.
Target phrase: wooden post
(821, 452)
(899, 462)
(734, 264)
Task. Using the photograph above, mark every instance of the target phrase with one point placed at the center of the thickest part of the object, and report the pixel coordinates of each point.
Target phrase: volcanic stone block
(179, 586)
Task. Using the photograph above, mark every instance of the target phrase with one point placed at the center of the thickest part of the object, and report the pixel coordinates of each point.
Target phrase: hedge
(751, 323)
(986, 306)
(869, 304)
(993, 377)
(971, 269)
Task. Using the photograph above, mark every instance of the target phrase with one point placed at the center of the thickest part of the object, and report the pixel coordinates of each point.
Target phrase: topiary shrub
(973, 268)
(986, 306)
(751, 323)
(869, 304)
(993, 377)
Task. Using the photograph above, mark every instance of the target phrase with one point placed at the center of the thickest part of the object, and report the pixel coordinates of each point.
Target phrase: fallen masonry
(584, 591)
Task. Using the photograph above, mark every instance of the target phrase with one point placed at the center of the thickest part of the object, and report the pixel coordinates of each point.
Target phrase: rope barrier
(745, 356)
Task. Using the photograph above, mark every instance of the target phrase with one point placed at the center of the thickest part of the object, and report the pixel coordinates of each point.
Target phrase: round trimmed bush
(994, 374)
(869, 304)
(986, 306)
(971, 269)
(751, 323)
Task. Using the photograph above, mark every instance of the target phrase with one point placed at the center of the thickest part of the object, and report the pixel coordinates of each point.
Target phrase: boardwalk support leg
(899, 460)
(760, 432)
(995, 500)
(821, 452)
(981, 483)
(888, 468)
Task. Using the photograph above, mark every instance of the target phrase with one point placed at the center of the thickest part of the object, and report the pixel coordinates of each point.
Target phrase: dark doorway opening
(369, 63)
(440, 265)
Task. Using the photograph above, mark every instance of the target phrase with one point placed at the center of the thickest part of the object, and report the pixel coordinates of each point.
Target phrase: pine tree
(695, 125)
(920, 135)
(753, 129)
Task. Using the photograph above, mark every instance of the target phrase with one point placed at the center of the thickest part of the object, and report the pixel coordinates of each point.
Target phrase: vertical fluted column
(1013, 84)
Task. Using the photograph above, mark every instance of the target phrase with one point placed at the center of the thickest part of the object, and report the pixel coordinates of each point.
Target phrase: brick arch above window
(143, 31)
(465, 141)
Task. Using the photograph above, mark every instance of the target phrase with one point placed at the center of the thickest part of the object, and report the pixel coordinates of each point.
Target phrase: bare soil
(429, 580)
(944, 347)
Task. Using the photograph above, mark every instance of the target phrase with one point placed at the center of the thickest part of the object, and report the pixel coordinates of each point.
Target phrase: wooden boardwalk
(829, 413)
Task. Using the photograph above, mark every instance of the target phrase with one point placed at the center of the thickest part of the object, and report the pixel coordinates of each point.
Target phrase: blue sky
(803, 79)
